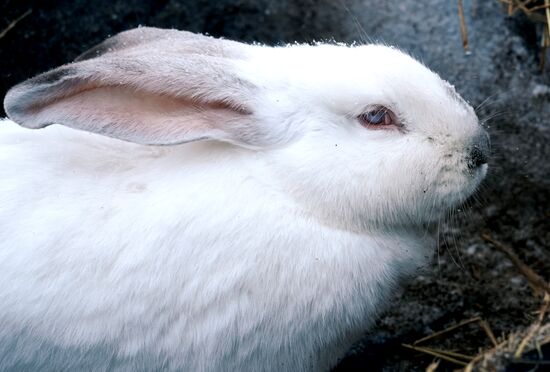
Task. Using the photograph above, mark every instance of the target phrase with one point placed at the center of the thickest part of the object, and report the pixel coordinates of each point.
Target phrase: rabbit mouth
(464, 190)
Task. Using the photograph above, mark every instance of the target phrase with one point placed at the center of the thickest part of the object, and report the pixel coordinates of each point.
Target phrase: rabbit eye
(380, 117)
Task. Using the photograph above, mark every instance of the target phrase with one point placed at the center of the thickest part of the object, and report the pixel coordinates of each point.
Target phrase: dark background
(468, 276)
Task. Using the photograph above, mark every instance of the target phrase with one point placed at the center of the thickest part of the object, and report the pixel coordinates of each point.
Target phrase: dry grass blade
(545, 43)
(470, 366)
(14, 23)
(534, 328)
(447, 330)
(468, 361)
(436, 353)
(523, 6)
(539, 7)
(463, 30)
(433, 366)
(483, 324)
(453, 354)
(534, 279)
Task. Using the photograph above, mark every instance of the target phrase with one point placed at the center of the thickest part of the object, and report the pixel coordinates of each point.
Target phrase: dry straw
(536, 10)
(505, 351)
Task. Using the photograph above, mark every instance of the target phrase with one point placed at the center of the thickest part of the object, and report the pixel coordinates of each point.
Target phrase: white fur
(208, 256)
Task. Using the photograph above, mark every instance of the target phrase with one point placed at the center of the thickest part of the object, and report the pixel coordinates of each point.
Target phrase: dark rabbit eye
(380, 117)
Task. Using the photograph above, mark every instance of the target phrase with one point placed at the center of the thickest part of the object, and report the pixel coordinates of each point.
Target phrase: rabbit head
(360, 136)
(384, 141)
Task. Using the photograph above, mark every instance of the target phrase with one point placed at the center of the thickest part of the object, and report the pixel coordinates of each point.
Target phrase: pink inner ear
(140, 117)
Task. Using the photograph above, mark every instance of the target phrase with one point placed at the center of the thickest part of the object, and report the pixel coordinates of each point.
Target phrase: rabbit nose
(479, 152)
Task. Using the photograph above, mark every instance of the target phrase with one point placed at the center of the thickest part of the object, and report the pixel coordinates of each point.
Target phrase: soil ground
(468, 276)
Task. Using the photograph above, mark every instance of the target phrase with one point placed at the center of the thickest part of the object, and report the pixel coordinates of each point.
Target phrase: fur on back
(157, 270)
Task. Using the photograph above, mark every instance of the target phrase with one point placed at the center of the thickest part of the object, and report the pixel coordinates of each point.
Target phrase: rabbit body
(192, 262)
(265, 233)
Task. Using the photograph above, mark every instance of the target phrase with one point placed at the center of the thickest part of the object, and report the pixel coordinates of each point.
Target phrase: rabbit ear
(148, 86)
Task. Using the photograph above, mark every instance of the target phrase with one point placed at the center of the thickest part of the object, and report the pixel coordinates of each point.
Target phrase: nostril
(477, 158)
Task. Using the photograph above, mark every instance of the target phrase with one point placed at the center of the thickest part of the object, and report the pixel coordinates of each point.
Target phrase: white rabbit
(269, 243)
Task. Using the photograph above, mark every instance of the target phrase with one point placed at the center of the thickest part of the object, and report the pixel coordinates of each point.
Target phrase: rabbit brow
(149, 86)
